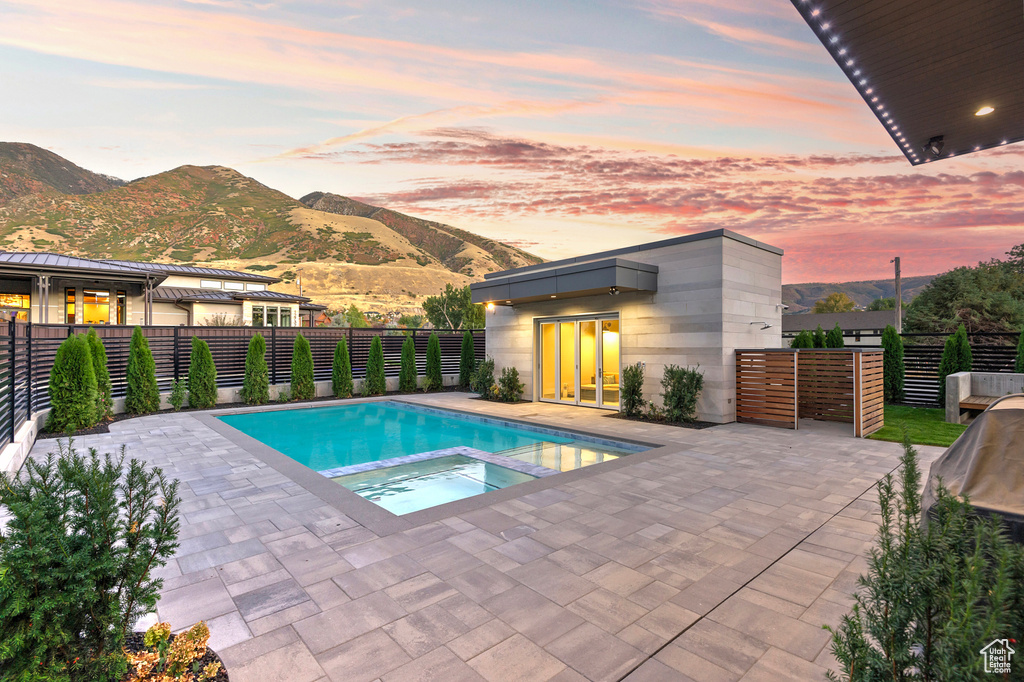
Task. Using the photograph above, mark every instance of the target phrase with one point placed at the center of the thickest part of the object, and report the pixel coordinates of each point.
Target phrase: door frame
(599, 369)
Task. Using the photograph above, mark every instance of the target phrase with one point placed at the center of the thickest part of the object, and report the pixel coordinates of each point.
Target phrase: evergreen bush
(682, 387)
(72, 387)
(341, 371)
(84, 535)
(893, 371)
(202, 376)
(407, 373)
(935, 594)
(142, 395)
(818, 335)
(483, 378)
(104, 389)
(1018, 366)
(510, 389)
(303, 387)
(433, 369)
(375, 383)
(177, 397)
(956, 357)
(256, 382)
(834, 338)
(632, 389)
(804, 339)
(467, 360)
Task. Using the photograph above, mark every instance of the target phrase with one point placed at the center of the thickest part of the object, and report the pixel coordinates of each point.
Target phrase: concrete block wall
(964, 384)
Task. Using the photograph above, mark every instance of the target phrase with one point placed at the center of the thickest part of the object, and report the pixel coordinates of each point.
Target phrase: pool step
(559, 456)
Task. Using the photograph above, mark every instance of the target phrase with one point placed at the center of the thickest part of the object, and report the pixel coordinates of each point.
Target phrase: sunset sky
(563, 127)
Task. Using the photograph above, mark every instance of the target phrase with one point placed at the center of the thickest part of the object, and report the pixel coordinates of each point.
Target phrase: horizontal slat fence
(27, 353)
(826, 386)
(871, 408)
(766, 388)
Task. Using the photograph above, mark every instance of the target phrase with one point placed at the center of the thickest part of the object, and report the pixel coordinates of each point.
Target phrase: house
(53, 288)
(570, 326)
(860, 328)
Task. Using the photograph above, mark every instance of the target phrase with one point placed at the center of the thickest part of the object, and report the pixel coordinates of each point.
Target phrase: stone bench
(967, 391)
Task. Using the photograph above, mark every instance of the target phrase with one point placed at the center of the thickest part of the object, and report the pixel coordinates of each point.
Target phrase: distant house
(862, 327)
(316, 313)
(53, 288)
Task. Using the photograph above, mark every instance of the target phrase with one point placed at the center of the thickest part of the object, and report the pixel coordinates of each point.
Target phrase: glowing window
(69, 305)
(95, 307)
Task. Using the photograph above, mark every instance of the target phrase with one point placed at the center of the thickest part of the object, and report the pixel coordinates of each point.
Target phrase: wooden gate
(778, 387)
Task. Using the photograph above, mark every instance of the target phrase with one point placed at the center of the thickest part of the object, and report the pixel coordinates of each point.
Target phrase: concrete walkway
(717, 557)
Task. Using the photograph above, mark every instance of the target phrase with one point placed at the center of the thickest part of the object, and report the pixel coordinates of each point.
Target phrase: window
(209, 283)
(15, 306)
(69, 305)
(271, 317)
(234, 286)
(257, 316)
(286, 317)
(256, 287)
(122, 307)
(95, 307)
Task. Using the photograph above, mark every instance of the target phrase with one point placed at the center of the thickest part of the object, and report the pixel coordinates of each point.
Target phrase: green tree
(467, 361)
(1018, 366)
(893, 371)
(303, 387)
(834, 338)
(836, 302)
(956, 357)
(804, 339)
(407, 373)
(883, 304)
(819, 337)
(202, 376)
(355, 318)
(453, 308)
(104, 389)
(632, 389)
(411, 321)
(375, 382)
(256, 383)
(142, 395)
(341, 371)
(433, 368)
(72, 387)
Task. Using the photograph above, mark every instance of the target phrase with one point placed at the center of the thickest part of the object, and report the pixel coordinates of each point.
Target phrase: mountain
(801, 297)
(347, 251)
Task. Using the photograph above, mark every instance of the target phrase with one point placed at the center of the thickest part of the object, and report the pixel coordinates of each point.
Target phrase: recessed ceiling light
(984, 111)
(552, 295)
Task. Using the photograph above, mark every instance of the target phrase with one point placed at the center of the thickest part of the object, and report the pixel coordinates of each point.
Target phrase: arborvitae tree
(834, 338)
(341, 371)
(256, 383)
(1019, 364)
(803, 340)
(467, 361)
(375, 383)
(202, 376)
(72, 387)
(407, 373)
(104, 390)
(956, 357)
(893, 371)
(819, 337)
(142, 395)
(433, 370)
(303, 387)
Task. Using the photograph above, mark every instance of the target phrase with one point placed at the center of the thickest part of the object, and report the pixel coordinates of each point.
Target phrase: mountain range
(346, 251)
(801, 297)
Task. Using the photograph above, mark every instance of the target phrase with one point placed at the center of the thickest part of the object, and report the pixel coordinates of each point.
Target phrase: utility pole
(899, 297)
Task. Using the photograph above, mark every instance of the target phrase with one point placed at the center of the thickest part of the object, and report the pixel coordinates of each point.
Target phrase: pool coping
(383, 522)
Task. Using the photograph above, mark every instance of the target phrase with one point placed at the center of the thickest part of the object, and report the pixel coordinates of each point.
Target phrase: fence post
(348, 342)
(177, 368)
(28, 363)
(12, 330)
(273, 355)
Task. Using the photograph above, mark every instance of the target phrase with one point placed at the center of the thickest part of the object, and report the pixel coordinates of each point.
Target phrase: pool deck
(716, 557)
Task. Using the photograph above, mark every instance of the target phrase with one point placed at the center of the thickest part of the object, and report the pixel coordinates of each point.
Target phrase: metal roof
(925, 67)
(56, 261)
(854, 321)
(175, 294)
(193, 270)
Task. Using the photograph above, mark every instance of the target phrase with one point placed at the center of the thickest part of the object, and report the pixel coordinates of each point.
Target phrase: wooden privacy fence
(778, 387)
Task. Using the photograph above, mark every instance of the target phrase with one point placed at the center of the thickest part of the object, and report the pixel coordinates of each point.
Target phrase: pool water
(411, 487)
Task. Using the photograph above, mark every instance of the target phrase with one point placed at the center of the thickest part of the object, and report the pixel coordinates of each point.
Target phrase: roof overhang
(605, 276)
(926, 67)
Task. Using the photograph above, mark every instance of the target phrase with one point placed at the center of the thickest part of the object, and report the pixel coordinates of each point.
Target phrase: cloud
(138, 84)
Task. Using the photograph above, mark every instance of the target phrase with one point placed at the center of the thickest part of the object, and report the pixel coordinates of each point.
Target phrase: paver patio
(717, 557)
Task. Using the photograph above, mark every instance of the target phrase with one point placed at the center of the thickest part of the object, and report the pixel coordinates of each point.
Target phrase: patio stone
(425, 630)
(270, 599)
(531, 614)
(364, 658)
(516, 659)
(190, 604)
(553, 581)
(596, 654)
(480, 639)
(291, 662)
(439, 664)
(347, 621)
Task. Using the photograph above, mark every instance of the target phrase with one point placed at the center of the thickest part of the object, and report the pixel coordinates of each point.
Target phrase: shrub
(256, 382)
(166, 659)
(893, 371)
(681, 387)
(341, 371)
(72, 387)
(375, 383)
(104, 390)
(177, 398)
(956, 357)
(284, 396)
(467, 360)
(818, 336)
(142, 395)
(632, 389)
(933, 596)
(407, 373)
(510, 389)
(483, 378)
(433, 369)
(202, 376)
(834, 338)
(303, 387)
(1018, 366)
(803, 340)
(84, 535)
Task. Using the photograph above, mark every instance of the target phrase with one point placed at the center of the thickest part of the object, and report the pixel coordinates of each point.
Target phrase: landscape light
(984, 111)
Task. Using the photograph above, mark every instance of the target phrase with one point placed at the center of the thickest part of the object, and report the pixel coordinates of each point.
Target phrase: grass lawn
(926, 426)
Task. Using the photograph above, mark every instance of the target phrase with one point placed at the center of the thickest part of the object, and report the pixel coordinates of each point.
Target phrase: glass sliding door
(578, 361)
(548, 364)
(567, 361)
(610, 363)
(588, 362)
